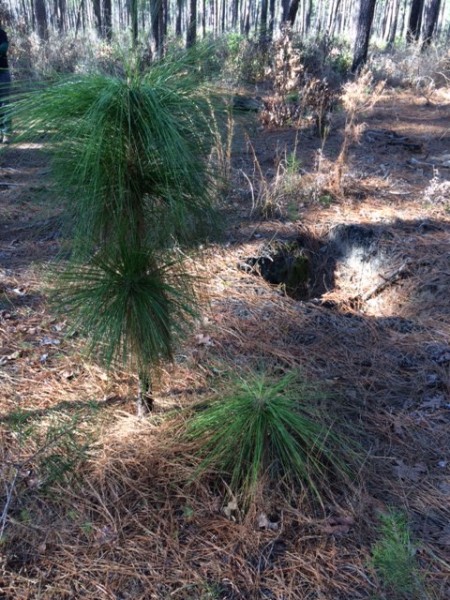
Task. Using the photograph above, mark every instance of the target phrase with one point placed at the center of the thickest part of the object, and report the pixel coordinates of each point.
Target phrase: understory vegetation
(209, 238)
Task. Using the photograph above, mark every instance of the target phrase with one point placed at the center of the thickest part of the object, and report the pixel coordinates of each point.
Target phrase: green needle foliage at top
(129, 153)
(265, 428)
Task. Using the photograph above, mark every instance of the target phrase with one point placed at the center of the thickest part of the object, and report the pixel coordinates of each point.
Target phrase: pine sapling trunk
(144, 403)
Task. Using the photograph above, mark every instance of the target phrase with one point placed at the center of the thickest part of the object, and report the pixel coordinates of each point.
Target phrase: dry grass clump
(412, 67)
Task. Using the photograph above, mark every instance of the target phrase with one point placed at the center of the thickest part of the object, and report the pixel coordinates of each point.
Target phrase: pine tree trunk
(331, 25)
(191, 37)
(430, 18)
(415, 21)
(364, 25)
(179, 18)
(393, 24)
(263, 33)
(107, 19)
(40, 13)
(293, 9)
(97, 16)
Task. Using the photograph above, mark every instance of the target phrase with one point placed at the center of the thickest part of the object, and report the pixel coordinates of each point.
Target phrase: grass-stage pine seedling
(267, 428)
(130, 157)
(393, 557)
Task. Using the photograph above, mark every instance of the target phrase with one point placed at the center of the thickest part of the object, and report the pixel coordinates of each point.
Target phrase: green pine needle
(130, 308)
(128, 152)
(266, 428)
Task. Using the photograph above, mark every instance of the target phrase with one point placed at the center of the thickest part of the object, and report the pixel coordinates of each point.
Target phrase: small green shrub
(267, 429)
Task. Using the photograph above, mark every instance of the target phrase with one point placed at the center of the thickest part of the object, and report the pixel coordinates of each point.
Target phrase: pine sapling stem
(145, 395)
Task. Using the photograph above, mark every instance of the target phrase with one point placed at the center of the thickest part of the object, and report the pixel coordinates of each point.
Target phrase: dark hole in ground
(305, 267)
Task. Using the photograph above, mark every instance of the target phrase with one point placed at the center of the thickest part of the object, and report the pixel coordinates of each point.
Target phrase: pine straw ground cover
(99, 504)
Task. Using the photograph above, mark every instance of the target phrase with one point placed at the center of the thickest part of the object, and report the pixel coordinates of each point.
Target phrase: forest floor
(373, 328)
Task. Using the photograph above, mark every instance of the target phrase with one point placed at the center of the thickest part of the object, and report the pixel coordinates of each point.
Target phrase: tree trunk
(293, 11)
(271, 18)
(364, 25)
(235, 14)
(62, 16)
(415, 21)
(263, 34)
(204, 19)
(401, 29)
(107, 19)
(157, 25)
(331, 25)
(40, 13)
(284, 11)
(134, 21)
(179, 18)
(98, 16)
(191, 37)
(431, 17)
(393, 24)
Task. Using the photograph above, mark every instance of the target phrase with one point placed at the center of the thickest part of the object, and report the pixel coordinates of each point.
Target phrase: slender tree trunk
(364, 25)
(234, 14)
(96, 5)
(393, 24)
(271, 18)
(415, 21)
(62, 16)
(191, 37)
(263, 33)
(401, 28)
(40, 12)
(107, 19)
(179, 18)
(430, 20)
(441, 19)
(293, 9)
(284, 10)
(204, 18)
(331, 25)
(157, 20)
(134, 21)
(246, 21)
(308, 15)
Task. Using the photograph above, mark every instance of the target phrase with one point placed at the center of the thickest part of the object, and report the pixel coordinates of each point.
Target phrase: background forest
(154, 24)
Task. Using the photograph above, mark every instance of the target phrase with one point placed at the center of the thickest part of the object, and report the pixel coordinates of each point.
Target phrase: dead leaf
(48, 341)
(265, 523)
(105, 535)
(203, 340)
(67, 374)
(9, 357)
(230, 508)
(338, 525)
